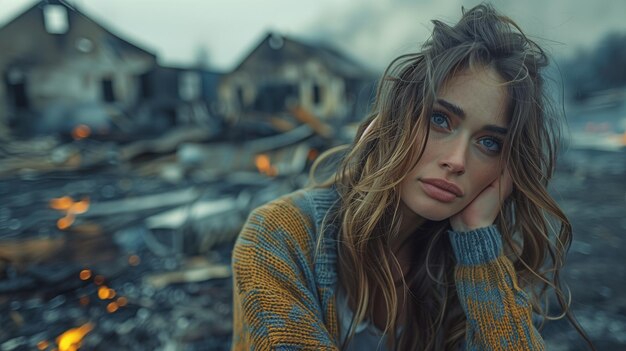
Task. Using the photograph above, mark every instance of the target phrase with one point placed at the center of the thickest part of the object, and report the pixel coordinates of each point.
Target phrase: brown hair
(536, 233)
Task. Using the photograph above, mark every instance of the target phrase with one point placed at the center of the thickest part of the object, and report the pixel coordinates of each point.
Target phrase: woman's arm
(499, 315)
(276, 304)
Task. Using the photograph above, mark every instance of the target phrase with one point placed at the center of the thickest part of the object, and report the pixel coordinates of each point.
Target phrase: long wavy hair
(536, 233)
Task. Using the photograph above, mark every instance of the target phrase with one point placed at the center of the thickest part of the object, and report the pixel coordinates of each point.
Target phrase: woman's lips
(437, 193)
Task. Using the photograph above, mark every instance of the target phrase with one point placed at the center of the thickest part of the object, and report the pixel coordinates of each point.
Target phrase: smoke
(374, 32)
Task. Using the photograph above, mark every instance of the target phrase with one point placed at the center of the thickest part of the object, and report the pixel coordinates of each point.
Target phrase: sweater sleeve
(275, 301)
(498, 311)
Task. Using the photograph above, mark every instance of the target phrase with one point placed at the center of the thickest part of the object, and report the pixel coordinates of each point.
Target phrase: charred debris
(125, 182)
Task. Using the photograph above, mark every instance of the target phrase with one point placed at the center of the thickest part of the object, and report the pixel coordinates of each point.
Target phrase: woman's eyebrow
(452, 108)
(461, 114)
(495, 129)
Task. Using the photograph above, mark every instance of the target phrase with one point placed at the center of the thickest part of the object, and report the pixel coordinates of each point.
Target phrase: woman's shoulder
(309, 205)
(298, 215)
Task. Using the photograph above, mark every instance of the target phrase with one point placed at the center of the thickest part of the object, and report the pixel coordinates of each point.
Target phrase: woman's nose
(454, 157)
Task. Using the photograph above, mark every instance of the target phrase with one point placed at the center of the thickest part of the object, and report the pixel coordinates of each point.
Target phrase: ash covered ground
(43, 297)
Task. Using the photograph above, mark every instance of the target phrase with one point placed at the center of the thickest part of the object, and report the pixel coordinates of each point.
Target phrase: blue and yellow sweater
(284, 290)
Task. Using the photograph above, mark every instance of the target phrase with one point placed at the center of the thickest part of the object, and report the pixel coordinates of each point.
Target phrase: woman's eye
(440, 121)
(491, 144)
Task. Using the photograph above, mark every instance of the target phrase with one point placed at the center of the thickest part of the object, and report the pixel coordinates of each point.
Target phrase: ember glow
(71, 209)
(264, 165)
(85, 274)
(80, 207)
(99, 280)
(105, 292)
(112, 307)
(42, 345)
(62, 203)
(84, 300)
(71, 340)
(134, 260)
(312, 155)
(65, 222)
(81, 131)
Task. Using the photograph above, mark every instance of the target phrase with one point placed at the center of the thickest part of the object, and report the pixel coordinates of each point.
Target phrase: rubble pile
(131, 251)
(133, 254)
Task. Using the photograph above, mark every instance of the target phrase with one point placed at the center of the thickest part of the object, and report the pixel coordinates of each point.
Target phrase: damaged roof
(277, 49)
(21, 36)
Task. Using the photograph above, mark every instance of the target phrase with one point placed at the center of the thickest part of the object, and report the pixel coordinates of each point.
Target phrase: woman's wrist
(460, 227)
(477, 246)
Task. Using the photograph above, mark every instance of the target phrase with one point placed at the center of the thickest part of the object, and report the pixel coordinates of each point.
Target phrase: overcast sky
(372, 31)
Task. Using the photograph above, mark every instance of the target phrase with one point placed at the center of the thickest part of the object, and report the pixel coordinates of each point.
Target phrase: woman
(433, 234)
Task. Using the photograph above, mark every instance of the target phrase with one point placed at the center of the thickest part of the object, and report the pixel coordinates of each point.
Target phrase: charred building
(60, 68)
(282, 73)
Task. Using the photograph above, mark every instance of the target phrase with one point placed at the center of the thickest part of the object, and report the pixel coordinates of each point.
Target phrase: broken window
(55, 19)
(189, 86)
(107, 90)
(145, 86)
(240, 97)
(15, 82)
(273, 98)
(317, 97)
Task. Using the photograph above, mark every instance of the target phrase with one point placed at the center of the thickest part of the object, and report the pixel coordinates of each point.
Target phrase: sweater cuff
(477, 246)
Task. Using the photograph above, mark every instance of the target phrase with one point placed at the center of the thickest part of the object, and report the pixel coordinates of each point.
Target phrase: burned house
(282, 73)
(173, 96)
(60, 69)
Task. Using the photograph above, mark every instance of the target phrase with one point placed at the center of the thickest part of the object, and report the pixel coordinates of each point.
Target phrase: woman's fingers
(484, 209)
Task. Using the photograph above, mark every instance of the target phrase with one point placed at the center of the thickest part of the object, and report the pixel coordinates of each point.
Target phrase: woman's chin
(433, 215)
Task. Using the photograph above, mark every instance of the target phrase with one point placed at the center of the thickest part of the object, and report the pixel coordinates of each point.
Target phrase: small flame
(42, 345)
(80, 207)
(105, 292)
(71, 208)
(112, 307)
(85, 274)
(81, 131)
(71, 340)
(65, 222)
(264, 165)
(62, 203)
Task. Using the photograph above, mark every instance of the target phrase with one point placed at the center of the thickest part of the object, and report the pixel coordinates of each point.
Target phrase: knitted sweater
(284, 293)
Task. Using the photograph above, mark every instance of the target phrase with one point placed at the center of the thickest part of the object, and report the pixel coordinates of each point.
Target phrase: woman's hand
(484, 209)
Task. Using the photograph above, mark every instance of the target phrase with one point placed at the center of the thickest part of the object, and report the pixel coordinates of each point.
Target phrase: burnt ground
(590, 186)
(41, 298)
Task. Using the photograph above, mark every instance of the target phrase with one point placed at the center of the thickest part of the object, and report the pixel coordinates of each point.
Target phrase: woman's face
(462, 153)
